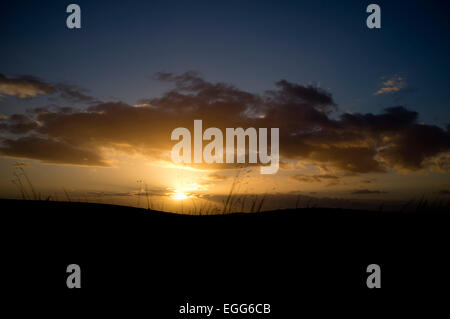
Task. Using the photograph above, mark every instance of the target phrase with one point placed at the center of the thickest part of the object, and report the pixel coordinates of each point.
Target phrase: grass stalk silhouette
(234, 201)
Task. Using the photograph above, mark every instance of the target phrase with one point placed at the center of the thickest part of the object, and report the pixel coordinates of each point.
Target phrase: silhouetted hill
(135, 254)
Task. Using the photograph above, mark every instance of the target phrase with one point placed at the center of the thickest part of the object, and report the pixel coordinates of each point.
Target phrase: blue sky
(250, 44)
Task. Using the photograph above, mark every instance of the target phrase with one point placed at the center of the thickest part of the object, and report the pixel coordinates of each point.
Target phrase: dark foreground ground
(302, 262)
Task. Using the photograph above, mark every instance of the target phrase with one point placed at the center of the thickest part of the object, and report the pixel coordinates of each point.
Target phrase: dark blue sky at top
(250, 44)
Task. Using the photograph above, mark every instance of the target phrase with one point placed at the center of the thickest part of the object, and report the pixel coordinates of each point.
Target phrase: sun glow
(179, 195)
(185, 190)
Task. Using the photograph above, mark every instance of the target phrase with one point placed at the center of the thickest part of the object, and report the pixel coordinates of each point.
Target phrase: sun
(179, 195)
(185, 190)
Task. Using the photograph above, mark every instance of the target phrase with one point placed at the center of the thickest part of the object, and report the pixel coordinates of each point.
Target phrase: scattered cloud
(142, 105)
(392, 85)
(75, 94)
(28, 86)
(24, 86)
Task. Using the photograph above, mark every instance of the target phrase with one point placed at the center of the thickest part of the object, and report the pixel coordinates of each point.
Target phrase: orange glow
(179, 195)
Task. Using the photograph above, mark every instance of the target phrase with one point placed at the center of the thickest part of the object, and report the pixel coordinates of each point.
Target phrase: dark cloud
(73, 93)
(352, 143)
(393, 119)
(24, 86)
(299, 94)
(411, 146)
(49, 151)
(18, 124)
(315, 178)
(368, 192)
(103, 193)
(27, 86)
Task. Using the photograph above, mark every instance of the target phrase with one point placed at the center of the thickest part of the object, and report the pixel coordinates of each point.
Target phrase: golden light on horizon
(185, 190)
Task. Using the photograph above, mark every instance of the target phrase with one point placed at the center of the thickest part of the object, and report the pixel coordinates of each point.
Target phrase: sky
(363, 113)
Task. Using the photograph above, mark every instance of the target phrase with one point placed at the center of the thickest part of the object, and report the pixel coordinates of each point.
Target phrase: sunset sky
(363, 114)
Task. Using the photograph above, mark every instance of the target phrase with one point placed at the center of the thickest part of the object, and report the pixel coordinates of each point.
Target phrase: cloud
(311, 130)
(50, 151)
(217, 177)
(394, 84)
(368, 192)
(24, 86)
(110, 193)
(27, 86)
(315, 178)
(393, 119)
(73, 93)
(410, 148)
(18, 124)
(440, 163)
(311, 95)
